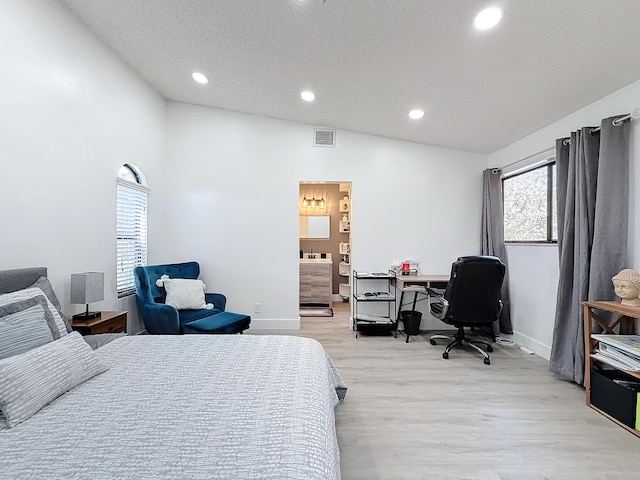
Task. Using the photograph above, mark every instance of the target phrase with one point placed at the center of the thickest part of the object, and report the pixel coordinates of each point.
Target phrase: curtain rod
(616, 122)
(634, 115)
(550, 149)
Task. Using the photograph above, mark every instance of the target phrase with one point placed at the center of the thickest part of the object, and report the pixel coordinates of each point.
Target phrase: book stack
(619, 351)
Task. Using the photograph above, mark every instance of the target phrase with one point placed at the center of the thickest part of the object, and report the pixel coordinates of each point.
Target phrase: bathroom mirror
(316, 226)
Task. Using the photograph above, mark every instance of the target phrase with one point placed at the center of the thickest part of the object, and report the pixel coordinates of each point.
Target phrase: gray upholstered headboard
(12, 280)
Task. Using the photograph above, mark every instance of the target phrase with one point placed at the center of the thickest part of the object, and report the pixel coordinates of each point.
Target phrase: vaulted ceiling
(371, 61)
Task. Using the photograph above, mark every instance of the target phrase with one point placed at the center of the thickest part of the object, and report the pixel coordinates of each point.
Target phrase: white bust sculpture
(627, 286)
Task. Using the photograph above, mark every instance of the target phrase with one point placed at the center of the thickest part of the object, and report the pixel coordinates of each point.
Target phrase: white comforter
(193, 406)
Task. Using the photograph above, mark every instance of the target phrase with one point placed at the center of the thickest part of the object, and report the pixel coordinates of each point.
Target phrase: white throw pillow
(185, 294)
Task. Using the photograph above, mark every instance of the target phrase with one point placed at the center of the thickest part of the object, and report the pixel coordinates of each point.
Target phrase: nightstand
(107, 322)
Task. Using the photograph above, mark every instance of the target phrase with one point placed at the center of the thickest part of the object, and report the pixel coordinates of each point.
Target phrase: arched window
(131, 226)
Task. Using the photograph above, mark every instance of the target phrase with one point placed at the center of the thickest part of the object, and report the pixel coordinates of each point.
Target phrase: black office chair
(471, 299)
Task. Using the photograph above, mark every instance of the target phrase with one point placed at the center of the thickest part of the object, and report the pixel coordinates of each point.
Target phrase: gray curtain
(493, 238)
(593, 208)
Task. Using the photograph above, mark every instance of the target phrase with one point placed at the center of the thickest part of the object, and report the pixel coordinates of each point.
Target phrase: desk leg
(415, 299)
(399, 306)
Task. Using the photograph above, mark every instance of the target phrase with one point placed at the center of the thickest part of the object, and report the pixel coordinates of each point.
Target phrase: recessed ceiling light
(416, 114)
(200, 78)
(308, 96)
(488, 18)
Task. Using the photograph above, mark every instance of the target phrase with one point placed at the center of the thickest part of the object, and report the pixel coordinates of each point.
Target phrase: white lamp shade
(87, 287)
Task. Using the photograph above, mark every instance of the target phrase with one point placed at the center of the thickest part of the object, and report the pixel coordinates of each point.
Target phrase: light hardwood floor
(410, 414)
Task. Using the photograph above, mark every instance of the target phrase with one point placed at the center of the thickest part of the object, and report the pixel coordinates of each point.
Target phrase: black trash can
(411, 321)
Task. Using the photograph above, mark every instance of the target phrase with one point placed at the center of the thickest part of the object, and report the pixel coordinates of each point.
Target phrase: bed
(189, 406)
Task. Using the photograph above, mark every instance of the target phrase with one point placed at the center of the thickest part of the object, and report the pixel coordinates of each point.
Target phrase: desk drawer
(114, 325)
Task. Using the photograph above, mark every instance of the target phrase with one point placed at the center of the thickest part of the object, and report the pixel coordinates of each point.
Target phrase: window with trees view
(530, 214)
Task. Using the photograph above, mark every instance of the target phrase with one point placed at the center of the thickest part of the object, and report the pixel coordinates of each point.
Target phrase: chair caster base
(432, 341)
(445, 355)
(487, 361)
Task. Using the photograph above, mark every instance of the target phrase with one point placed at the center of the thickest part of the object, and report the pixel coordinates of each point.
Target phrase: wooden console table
(624, 320)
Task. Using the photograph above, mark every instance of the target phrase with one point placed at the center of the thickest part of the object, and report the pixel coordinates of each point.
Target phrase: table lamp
(87, 288)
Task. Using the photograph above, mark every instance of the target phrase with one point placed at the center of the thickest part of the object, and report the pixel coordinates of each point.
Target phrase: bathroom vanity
(316, 283)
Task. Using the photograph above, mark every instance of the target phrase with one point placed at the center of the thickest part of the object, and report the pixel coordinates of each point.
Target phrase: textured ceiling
(371, 61)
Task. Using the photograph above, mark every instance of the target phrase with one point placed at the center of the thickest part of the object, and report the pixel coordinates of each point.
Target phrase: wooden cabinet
(107, 322)
(316, 282)
(612, 400)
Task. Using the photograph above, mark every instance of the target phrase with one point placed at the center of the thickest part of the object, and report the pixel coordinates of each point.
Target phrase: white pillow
(184, 293)
(33, 379)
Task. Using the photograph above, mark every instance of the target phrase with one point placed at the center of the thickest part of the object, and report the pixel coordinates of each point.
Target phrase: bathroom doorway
(325, 215)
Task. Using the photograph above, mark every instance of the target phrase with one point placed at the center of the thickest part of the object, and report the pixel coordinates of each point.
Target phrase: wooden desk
(623, 319)
(424, 281)
(417, 284)
(107, 322)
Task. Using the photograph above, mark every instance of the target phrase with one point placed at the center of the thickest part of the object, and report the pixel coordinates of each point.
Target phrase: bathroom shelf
(344, 228)
(343, 270)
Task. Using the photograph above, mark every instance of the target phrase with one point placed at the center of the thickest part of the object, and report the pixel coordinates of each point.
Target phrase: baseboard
(275, 324)
(538, 348)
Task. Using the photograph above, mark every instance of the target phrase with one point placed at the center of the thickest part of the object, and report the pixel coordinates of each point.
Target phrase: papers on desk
(620, 351)
(360, 274)
(375, 296)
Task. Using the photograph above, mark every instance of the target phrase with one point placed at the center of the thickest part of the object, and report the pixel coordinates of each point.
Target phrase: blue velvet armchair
(164, 319)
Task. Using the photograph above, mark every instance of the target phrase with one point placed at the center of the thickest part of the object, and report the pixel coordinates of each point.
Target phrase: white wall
(233, 203)
(72, 114)
(534, 269)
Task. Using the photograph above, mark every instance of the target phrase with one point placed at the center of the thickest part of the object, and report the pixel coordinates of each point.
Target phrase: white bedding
(191, 406)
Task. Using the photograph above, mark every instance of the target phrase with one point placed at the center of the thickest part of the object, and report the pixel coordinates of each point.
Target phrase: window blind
(131, 228)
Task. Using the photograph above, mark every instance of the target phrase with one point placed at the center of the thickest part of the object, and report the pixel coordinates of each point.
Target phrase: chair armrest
(161, 319)
(438, 306)
(219, 300)
(438, 292)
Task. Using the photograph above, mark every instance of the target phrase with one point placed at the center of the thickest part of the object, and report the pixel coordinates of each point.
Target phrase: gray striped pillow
(23, 327)
(27, 293)
(33, 379)
(44, 284)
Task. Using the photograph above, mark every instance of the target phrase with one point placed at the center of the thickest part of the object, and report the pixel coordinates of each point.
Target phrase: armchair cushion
(184, 293)
(187, 316)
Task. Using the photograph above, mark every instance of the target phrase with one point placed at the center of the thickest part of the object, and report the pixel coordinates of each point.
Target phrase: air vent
(324, 138)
